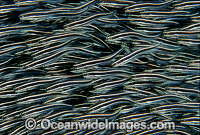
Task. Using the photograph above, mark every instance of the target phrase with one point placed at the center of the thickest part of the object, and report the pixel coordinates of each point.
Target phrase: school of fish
(122, 60)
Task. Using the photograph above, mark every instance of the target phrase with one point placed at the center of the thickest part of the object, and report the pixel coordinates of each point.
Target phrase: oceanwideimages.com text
(130, 126)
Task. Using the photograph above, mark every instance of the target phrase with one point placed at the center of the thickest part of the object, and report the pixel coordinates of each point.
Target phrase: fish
(127, 58)
(86, 20)
(98, 61)
(117, 60)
